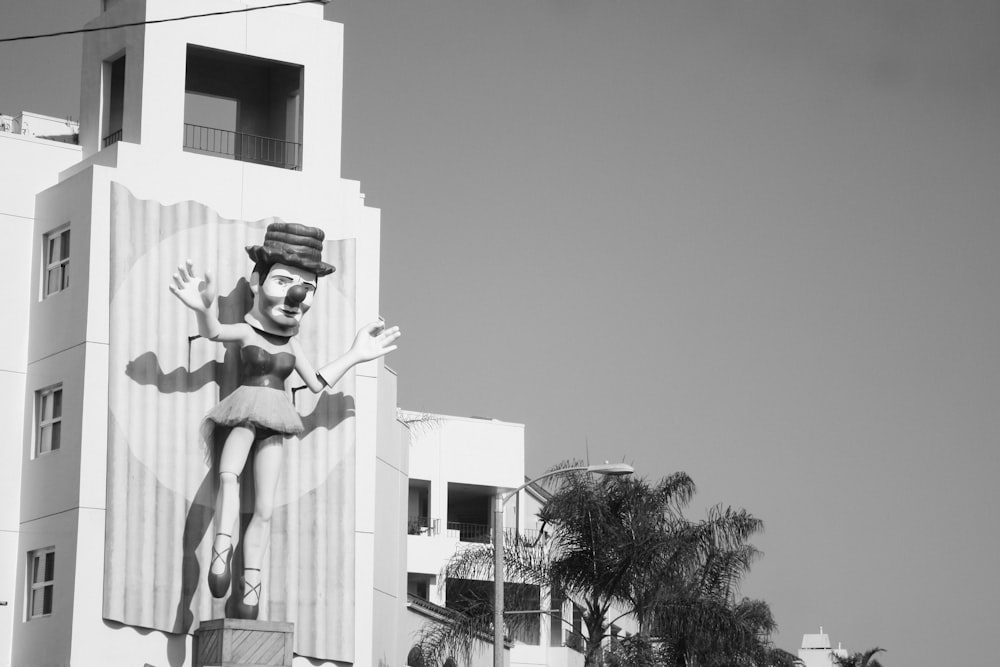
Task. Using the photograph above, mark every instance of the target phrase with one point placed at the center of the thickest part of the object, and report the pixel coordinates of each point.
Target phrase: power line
(176, 18)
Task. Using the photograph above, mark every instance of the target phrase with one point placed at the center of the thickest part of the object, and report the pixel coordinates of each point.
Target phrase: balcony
(112, 138)
(471, 532)
(243, 108)
(467, 532)
(242, 146)
(423, 525)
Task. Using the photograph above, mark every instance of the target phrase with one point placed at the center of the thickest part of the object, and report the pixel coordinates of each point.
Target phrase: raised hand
(374, 341)
(194, 292)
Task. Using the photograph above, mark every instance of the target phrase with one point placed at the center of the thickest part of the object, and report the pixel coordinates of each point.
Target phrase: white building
(236, 120)
(816, 650)
(457, 467)
(39, 161)
(30, 124)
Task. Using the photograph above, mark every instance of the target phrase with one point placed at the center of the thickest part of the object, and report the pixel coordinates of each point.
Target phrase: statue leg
(267, 469)
(227, 510)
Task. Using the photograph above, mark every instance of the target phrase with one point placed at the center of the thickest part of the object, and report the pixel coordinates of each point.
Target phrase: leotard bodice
(265, 369)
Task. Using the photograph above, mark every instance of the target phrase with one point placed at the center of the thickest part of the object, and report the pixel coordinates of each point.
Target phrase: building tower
(189, 130)
(816, 650)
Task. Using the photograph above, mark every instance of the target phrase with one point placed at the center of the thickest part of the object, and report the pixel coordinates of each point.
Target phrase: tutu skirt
(266, 408)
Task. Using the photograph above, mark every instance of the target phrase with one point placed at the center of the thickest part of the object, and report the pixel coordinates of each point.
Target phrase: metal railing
(422, 525)
(530, 535)
(468, 532)
(243, 147)
(112, 138)
(471, 532)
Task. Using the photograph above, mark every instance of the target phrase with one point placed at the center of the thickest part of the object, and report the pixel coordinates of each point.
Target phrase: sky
(753, 240)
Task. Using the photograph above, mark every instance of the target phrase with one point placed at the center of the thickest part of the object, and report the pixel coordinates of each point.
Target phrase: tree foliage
(859, 659)
(622, 546)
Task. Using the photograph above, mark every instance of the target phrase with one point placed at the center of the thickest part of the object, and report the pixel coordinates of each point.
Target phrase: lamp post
(612, 469)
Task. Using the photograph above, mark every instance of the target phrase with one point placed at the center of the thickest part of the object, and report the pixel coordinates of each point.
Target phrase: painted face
(283, 298)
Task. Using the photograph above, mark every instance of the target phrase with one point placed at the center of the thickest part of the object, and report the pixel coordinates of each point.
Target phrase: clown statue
(283, 282)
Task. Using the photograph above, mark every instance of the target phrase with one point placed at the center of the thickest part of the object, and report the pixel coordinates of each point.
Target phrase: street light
(610, 469)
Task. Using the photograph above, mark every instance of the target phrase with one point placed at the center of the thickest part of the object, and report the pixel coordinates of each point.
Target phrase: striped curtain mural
(162, 480)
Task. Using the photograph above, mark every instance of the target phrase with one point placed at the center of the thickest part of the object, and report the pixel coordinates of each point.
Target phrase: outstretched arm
(373, 341)
(198, 294)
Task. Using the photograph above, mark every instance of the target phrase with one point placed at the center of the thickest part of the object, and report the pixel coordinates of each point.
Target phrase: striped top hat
(294, 245)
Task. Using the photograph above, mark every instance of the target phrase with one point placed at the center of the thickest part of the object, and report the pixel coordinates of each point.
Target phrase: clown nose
(296, 295)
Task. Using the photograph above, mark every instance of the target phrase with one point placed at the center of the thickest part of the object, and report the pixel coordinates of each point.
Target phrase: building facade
(189, 130)
(39, 162)
(458, 465)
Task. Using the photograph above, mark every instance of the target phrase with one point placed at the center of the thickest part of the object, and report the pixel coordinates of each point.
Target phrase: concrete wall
(486, 452)
(34, 165)
(389, 581)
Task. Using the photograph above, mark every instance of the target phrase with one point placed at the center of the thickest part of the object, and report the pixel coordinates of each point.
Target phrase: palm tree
(608, 536)
(697, 616)
(859, 659)
(624, 545)
(720, 634)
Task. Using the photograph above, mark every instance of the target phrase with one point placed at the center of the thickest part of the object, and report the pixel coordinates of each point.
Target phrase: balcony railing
(468, 532)
(112, 138)
(243, 147)
(471, 532)
(422, 525)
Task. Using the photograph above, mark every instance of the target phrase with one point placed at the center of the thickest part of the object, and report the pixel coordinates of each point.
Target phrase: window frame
(62, 235)
(53, 421)
(38, 559)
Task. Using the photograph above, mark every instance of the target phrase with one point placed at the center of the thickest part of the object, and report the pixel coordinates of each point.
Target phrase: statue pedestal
(233, 642)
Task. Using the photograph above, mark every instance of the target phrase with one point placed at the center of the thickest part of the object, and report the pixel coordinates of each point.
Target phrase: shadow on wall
(176, 644)
(328, 412)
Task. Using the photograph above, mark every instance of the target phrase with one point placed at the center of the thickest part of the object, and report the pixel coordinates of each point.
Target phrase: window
(55, 249)
(418, 585)
(41, 569)
(556, 628)
(48, 417)
(114, 101)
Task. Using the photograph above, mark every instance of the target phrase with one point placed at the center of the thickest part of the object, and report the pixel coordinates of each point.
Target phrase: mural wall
(162, 482)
